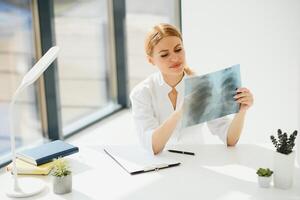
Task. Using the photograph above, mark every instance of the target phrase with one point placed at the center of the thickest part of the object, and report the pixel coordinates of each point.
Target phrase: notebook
(27, 168)
(135, 160)
(47, 152)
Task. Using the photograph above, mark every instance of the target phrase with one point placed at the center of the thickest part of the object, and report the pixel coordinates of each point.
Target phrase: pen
(182, 152)
(154, 169)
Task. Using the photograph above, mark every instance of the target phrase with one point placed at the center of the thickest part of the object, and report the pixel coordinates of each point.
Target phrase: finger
(246, 101)
(245, 104)
(243, 94)
(244, 98)
(243, 89)
(239, 95)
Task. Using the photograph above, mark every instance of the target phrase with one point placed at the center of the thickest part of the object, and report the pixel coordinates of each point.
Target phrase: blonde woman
(156, 101)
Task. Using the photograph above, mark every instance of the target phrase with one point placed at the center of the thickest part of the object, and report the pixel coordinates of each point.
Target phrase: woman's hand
(245, 98)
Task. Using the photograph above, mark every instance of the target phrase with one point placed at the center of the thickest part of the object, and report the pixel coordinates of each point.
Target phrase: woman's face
(169, 56)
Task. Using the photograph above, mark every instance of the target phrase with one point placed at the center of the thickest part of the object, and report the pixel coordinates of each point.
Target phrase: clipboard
(135, 160)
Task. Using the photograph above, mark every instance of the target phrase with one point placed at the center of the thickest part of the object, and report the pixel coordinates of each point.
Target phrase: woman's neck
(173, 80)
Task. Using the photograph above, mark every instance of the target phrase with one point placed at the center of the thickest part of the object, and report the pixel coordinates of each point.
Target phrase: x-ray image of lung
(210, 96)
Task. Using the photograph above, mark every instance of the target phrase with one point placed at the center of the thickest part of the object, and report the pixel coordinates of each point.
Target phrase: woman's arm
(235, 128)
(245, 98)
(153, 135)
(162, 134)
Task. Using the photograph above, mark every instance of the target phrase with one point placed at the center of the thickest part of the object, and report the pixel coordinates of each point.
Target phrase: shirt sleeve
(143, 116)
(220, 127)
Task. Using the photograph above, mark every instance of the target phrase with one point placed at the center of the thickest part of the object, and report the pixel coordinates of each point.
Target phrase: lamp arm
(12, 136)
(30, 77)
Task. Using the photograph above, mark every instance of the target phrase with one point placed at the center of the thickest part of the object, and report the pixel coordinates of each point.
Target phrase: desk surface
(216, 172)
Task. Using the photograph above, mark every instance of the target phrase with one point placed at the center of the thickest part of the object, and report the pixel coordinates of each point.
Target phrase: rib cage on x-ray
(210, 96)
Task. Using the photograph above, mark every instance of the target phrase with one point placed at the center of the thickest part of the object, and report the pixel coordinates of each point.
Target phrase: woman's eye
(164, 55)
(178, 50)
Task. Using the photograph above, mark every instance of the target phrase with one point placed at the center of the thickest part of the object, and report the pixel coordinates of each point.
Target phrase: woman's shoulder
(144, 87)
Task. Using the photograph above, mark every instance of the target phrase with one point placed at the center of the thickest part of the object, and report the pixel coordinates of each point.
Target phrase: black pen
(182, 152)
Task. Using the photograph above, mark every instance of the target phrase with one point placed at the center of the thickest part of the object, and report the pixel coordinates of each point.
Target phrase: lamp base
(28, 187)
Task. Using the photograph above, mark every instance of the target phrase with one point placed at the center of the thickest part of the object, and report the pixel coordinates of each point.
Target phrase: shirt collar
(168, 88)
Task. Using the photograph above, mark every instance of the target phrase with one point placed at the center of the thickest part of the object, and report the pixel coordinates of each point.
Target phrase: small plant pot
(264, 181)
(62, 185)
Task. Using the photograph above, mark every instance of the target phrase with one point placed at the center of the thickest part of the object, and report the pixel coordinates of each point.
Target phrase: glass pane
(17, 56)
(139, 19)
(81, 29)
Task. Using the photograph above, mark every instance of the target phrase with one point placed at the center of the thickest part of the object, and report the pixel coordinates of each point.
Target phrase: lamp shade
(38, 69)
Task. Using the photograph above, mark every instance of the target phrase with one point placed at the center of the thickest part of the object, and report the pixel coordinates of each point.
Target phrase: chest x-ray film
(210, 96)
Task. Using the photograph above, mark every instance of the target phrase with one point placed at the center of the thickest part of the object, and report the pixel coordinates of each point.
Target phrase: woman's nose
(174, 57)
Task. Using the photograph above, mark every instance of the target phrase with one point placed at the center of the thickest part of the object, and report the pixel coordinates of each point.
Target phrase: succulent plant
(266, 172)
(60, 168)
(283, 143)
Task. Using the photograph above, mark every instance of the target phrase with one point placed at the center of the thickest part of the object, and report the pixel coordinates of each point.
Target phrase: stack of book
(39, 160)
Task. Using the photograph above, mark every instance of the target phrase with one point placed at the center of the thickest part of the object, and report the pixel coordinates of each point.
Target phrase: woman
(156, 102)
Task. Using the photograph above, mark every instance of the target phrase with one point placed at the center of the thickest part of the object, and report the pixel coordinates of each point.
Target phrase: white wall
(263, 36)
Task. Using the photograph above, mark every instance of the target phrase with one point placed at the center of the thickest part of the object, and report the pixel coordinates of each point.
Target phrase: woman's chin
(177, 70)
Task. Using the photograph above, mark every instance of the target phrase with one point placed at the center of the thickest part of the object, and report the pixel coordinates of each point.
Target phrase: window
(17, 56)
(87, 79)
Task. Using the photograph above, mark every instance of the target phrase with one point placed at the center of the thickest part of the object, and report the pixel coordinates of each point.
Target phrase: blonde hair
(157, 33)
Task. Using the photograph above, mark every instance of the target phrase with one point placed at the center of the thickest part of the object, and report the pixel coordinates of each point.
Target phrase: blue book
(47, 152)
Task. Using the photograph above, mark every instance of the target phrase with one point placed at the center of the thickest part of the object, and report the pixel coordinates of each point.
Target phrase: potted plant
(62, 176)
(284, 159)
(264, 177)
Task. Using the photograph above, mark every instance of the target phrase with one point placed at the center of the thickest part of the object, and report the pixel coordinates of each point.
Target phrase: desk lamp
(25, 187)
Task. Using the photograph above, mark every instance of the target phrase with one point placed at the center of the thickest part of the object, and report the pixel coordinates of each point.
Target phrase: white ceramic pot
(264, 181)
(62, 185)
(284, 170)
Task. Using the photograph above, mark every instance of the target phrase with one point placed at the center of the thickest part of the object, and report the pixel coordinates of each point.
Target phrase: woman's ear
(150, 60)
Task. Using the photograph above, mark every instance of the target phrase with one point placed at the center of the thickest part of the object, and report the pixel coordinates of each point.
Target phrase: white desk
(216, 172)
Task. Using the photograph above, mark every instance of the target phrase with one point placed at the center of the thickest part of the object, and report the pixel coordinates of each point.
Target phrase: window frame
(55, 130)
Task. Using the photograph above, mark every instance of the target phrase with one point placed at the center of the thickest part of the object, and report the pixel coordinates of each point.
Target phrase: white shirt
(151, 106)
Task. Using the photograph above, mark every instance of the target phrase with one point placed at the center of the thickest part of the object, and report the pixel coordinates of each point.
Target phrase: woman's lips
(176, 65)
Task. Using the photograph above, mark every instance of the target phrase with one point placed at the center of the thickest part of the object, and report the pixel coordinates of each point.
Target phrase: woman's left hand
(245, 98)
